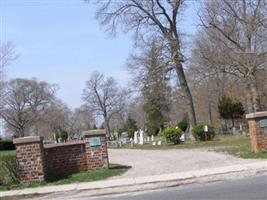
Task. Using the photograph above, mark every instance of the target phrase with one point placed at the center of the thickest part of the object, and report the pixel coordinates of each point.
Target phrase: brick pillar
(258, 130)
(30, 158)
(96, 149)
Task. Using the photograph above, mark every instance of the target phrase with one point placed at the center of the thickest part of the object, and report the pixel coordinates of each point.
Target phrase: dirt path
(154, 162)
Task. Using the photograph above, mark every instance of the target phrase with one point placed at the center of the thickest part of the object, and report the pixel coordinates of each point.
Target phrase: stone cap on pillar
(96, 132)
(256, 115)
(29, 139)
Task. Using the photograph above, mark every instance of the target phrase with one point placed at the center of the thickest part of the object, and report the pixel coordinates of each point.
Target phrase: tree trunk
(210, 122)
(187, 93)
(21, 132)
(177, 59)
(233, 121)
(253, 95)
(107, 127)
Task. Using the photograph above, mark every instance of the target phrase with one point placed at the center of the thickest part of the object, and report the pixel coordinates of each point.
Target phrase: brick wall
(38, 162)
(64, 159)
(30, 159)
(258, 135)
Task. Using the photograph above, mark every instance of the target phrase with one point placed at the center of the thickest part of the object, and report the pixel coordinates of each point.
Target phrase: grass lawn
(113, 170)
(5, 153)
(235, 145)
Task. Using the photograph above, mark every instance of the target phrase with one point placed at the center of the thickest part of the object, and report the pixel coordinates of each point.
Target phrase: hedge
(200, 135)
(6, 145)
(172, 135)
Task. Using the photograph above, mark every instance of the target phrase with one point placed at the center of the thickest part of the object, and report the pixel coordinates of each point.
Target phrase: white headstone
(135, 137)
(206, 129)
(148, 139)
(182, 138)
(154, 143)
(141, 137)
(152, 138)
(159, 142)
(55, 138)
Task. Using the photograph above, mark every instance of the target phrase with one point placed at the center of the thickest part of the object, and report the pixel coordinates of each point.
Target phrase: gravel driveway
(155, 162)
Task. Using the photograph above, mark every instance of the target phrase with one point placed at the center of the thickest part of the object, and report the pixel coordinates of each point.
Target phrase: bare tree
(135, 110)
(55, 119)
(104, 97)
(235, 41)
(24, 103)
(7, 54)
(82, 119)
(146, 18)
(117, 121)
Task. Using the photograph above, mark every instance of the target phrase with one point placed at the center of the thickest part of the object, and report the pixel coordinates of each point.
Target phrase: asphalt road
(254, 188)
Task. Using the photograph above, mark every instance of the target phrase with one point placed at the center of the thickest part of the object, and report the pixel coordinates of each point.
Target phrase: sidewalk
(177, 178)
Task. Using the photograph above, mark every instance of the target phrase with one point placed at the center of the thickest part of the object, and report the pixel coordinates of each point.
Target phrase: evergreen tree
(130, 127)
(155, 90)
(230, 108)
(150, 68)
(155, 118)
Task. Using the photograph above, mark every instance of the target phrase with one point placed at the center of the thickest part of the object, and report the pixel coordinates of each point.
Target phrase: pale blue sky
(62, 43)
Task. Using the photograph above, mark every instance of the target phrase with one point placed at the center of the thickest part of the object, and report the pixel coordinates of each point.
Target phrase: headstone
(135, 137)
(159, 142)
(148, 139)
(240, 127)
(55, 138)
(152, 138)
(206, 129)
(225, 129)
(182, 138)
(234, 130)
(154, 143)
(141, 137)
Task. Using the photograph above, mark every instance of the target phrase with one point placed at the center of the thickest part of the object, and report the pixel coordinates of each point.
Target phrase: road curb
(174, 178)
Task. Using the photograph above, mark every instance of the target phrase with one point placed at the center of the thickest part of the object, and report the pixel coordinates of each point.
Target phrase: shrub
(64, 136)
(183, 125)
(200, 135)
(172, 135)
(6, 145)
(8, 169)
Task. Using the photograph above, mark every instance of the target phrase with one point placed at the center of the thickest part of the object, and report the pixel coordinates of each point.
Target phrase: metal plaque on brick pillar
(95, 141)
(263, 123)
